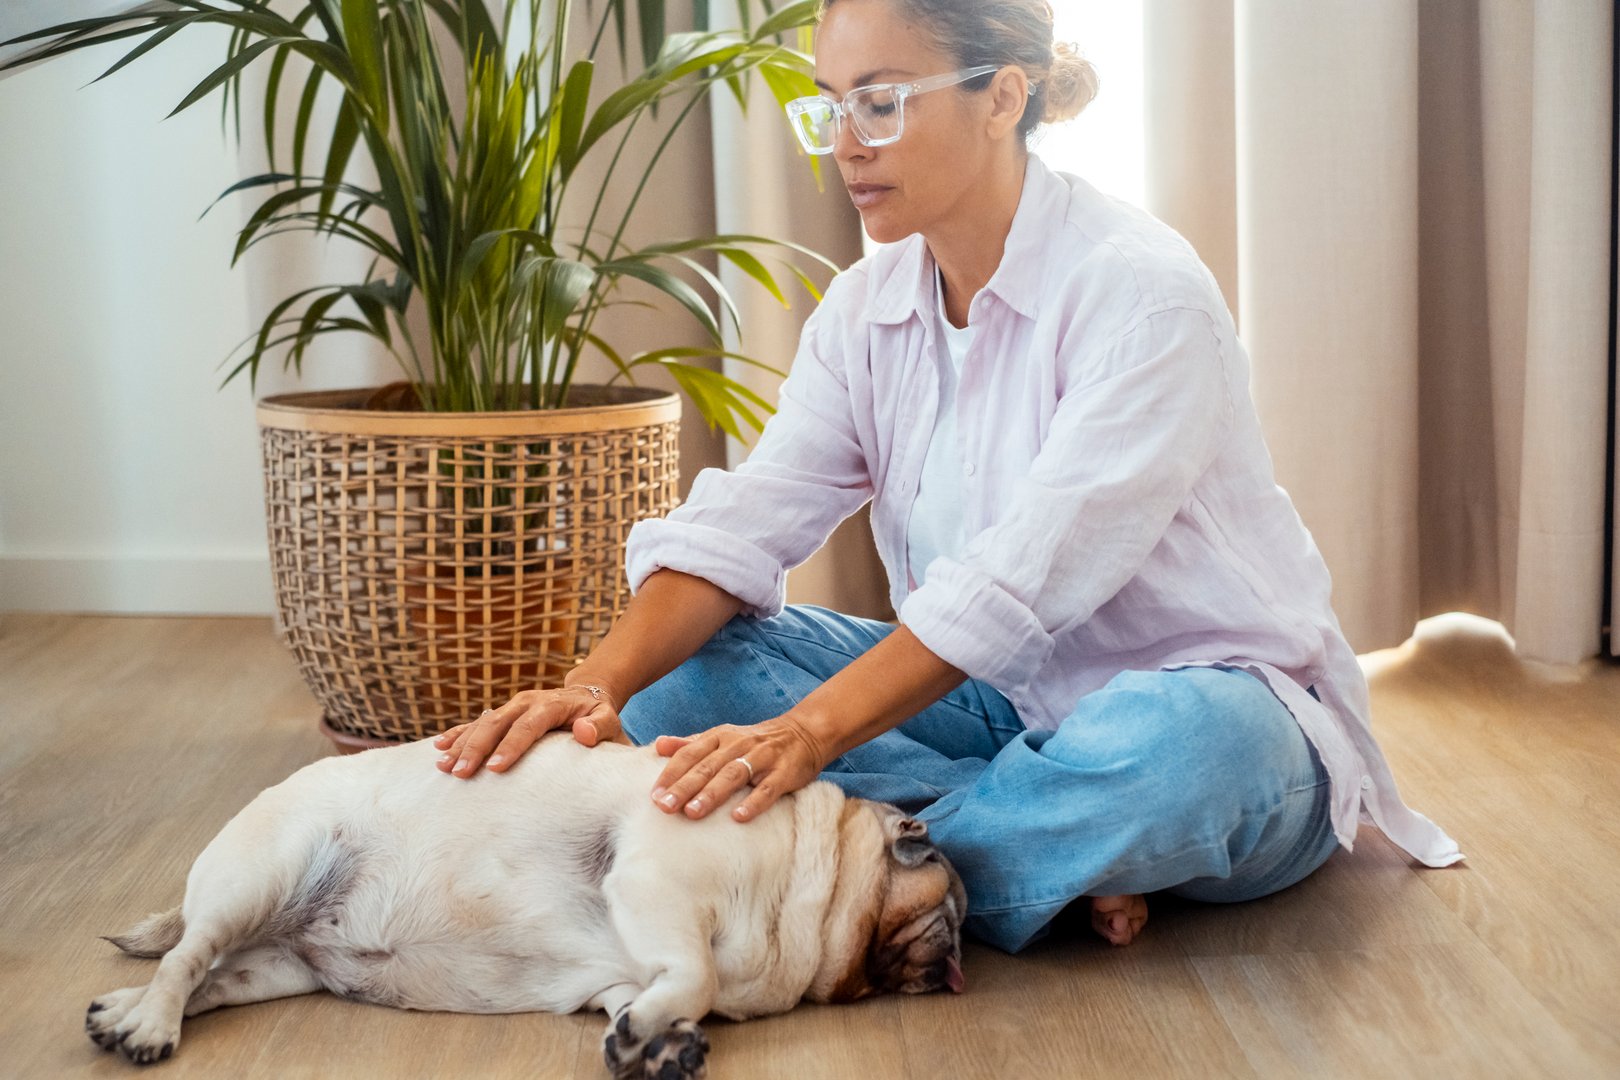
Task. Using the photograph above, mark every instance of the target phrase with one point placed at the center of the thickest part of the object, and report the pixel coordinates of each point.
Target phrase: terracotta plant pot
(430, 565)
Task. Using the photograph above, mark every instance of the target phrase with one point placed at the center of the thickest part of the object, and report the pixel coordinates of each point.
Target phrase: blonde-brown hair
(1004, 32)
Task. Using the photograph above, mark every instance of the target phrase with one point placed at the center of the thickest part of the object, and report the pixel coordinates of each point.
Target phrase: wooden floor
(128, 742)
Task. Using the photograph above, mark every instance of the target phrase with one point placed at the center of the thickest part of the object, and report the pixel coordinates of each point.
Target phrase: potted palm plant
(442, 542)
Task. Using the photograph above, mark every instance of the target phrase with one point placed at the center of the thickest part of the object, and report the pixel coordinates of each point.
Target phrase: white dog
(555, 886)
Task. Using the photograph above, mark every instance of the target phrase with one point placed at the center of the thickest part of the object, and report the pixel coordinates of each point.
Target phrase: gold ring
(750, 769)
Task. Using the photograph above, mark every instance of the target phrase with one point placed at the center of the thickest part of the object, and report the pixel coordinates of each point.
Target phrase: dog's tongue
(953, 975)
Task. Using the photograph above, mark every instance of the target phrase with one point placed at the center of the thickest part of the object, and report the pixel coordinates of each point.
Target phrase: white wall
(128, 483)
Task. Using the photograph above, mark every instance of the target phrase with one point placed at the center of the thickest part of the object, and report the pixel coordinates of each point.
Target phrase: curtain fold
(1422, 213)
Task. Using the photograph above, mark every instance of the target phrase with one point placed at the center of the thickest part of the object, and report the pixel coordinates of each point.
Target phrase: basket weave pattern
(424, 576)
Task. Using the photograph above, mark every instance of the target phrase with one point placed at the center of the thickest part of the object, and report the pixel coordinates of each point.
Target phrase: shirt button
(1366, 783)
(968, 468)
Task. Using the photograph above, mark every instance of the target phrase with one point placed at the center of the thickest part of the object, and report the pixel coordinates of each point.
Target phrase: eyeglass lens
(875, 113)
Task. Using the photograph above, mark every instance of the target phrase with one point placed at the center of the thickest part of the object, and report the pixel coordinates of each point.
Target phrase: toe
(1118, 919)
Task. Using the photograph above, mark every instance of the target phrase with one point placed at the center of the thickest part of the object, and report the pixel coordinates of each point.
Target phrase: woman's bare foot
(1118, 918)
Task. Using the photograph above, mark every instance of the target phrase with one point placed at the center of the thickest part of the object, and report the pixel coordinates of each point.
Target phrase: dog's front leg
(652, 1029)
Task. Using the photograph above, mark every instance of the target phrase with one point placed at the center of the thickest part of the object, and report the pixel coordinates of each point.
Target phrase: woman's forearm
(669, 619)
(888, 684)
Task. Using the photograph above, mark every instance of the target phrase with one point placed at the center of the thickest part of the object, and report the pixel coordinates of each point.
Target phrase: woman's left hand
(706, 769)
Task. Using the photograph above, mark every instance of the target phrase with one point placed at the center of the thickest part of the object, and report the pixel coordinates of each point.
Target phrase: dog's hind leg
(147, 1027)
(652, 1030)
(259, 973)
(238, 882)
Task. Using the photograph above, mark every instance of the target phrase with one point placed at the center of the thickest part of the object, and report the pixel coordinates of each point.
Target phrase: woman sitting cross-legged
(1116, 668)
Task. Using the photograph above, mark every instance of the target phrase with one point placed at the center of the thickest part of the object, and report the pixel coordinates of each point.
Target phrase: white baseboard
(137, 586)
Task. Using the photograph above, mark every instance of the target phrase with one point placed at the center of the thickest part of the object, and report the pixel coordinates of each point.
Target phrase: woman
(1116, 669)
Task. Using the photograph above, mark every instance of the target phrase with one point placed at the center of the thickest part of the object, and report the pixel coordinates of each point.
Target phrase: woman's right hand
(512, 728)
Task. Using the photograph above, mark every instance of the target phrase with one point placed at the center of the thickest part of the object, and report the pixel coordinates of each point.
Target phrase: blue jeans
(1197, 781)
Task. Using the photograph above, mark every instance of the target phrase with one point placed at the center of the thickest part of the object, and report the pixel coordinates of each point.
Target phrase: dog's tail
(152, 936)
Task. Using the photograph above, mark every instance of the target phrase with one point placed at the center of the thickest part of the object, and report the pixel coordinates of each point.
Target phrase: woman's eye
(884, 109)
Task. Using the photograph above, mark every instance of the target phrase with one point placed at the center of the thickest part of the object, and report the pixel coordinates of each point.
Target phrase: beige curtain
(1408, 207)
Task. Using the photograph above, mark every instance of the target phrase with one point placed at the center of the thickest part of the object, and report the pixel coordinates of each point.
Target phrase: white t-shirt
(935, 527)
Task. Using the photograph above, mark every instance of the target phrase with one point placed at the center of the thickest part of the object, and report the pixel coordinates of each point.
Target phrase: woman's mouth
(864, 195)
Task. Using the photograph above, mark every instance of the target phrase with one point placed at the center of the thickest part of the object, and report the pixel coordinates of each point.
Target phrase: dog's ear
(908, 841)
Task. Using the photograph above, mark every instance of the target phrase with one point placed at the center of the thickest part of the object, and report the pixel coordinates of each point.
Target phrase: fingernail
(696, 804)
(668, 800)
(658, 794)
(742, 813)
(444, 758)
(463, 765)
(496, 760)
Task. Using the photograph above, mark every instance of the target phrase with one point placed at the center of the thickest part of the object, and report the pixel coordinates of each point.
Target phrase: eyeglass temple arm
(950, 78)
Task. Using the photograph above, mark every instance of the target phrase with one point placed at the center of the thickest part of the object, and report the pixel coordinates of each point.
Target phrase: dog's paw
(106, 1012)
(681, 1053)
(678, 1053)
(116, 1021)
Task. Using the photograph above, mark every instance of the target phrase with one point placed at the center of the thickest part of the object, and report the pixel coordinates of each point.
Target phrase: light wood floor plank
(1442, 1010)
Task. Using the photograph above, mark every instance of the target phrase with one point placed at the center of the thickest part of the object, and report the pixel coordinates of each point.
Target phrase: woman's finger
(765, 793)
(730, 777)
(518, 738)
(599, 726)
(481, 738)
(451, 743)
(683, 760)
(450, 736)
(689, 772)
(666, 745)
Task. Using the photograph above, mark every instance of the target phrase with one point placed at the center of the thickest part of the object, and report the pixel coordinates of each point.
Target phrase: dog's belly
(430, 892)
(436, 940)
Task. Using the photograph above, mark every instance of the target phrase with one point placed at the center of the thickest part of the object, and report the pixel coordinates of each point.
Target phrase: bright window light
(1104, 144)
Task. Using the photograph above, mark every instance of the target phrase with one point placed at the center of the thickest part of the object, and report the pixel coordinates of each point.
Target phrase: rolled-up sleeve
(744, 529)
(1127, 443)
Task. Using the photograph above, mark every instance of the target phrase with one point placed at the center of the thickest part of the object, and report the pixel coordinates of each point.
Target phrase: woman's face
(906, 186)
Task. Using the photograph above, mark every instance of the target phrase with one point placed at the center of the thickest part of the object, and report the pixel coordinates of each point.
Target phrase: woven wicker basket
(431, 565)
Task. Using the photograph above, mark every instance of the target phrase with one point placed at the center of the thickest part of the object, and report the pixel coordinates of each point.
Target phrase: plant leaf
(791, 17)
(344, 136)
(667, 283)
(755, 269)
(362, 33)
(576, 101)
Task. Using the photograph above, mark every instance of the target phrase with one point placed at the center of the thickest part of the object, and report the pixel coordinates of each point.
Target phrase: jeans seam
(769, 674)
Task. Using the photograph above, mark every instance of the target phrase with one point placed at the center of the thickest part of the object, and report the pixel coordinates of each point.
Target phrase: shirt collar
(909, 287)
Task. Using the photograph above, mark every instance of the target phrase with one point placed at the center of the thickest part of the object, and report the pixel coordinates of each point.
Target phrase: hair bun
(1071, 84)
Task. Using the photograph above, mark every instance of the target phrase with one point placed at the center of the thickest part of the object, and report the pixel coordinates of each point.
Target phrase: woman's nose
(848, 146)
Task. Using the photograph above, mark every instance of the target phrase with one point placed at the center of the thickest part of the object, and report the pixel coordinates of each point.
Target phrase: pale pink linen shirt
(1121, 510)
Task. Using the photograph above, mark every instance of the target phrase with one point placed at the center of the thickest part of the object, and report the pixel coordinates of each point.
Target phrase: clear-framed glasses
(877, 112)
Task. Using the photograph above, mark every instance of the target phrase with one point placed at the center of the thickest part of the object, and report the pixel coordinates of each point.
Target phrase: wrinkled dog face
(917, 946)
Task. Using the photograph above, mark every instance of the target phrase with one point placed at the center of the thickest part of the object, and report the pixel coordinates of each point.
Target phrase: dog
(556, 886)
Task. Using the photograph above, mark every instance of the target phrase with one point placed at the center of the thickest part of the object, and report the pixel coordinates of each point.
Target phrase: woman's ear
(1009, 96)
